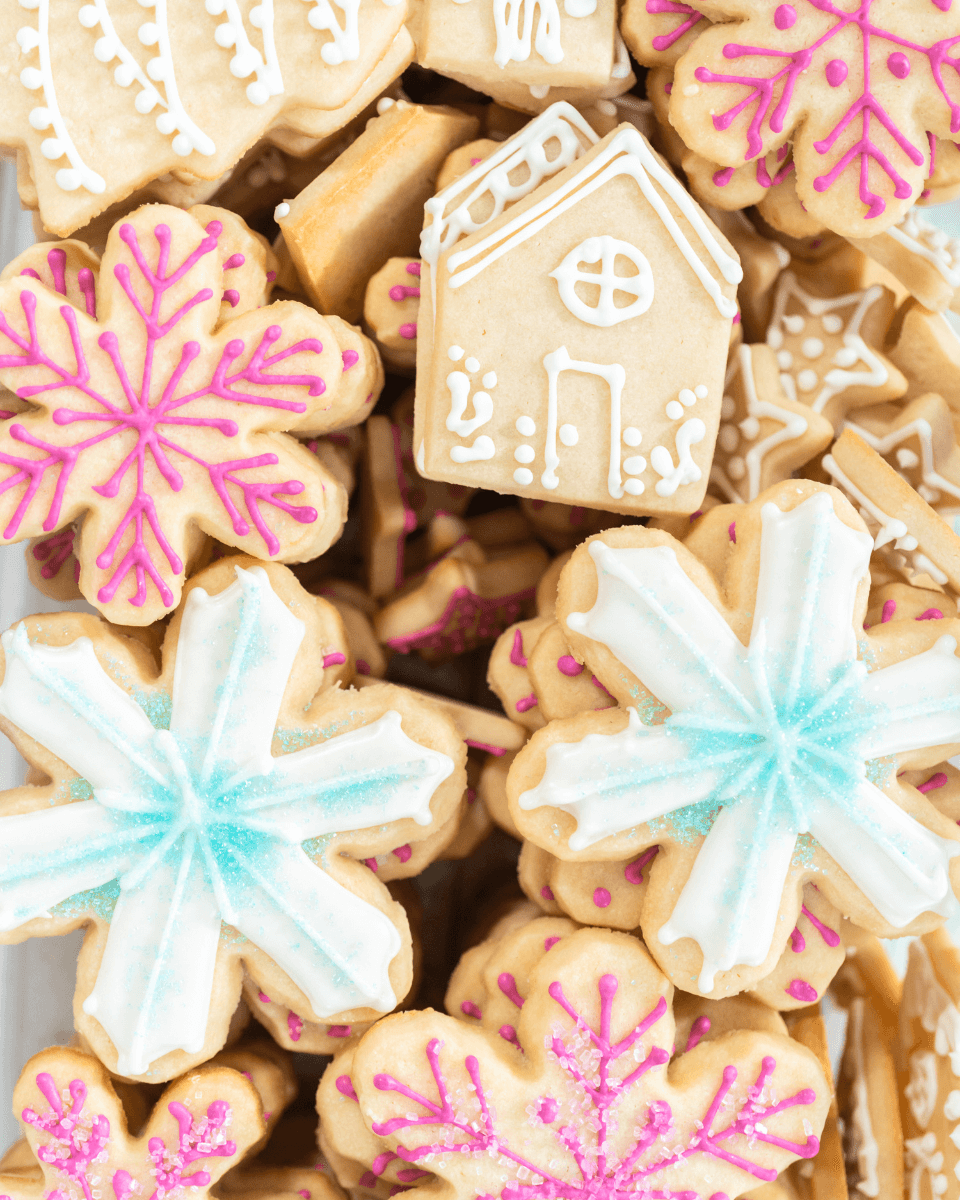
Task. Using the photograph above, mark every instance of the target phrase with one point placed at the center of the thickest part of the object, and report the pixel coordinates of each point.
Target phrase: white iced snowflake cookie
(214, 815)
(759, 738)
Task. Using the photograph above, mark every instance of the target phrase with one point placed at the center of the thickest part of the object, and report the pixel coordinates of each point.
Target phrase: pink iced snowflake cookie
(759, 739)
(165, 413)
(601, 1096)
(216, 816)
(77, 1131)
(861, 92)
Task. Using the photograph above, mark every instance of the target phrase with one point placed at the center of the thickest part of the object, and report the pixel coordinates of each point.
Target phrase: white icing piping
(514, 46)
(78, 174)
(924, 434)
(110, 46)
(615, 377)
(857, 350)
(345, 46)
(189, 136)
(247, 59)
(926, 241)
(627, 154)
(794, 426)
(492, 177)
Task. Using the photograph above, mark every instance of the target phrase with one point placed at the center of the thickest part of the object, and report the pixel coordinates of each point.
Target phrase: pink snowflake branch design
(689, 17)
(87, 284)
(657, 1144)
(197, 1138)
(768, 98)
(155, 412)
(53, 551)
(76, 1139)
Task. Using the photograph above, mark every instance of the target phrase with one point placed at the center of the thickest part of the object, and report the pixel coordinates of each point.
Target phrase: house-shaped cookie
(572, 347)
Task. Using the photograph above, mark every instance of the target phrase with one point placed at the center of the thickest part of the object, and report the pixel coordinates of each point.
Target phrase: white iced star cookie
(214, 816)
(759, 738)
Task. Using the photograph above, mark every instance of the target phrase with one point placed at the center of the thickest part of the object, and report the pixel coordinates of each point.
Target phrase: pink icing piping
(664, 41)
(473, 618)
(469, 1009)
(698, 1030)
(633, 872)
(517, 656)
(934, 782)
(53, 551)
(508, 985)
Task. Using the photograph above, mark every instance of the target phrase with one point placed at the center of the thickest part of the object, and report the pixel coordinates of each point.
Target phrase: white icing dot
(774, 339)
(455, 353)
(383, 104)
(728, 438)
(148, 33)
(687, 397)
(490, 379)
(522, 476)
(807, 380)
(831, 323)
(675, 410)
(728, 407)
(794, 324)
(539, 90)
(907, 458)
(524, 454)
(634, 487)
(31, 78)
(526, 426)
(472, 365)
(700, 391)
(281, 211)
(750, 427)
(846, 356)
(785, 360)
(569, 435)
(812, 347)
(632, 436)
(635, 465)
(736, 468)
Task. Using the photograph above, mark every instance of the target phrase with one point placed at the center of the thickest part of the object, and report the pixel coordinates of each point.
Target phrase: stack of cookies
(510, 457)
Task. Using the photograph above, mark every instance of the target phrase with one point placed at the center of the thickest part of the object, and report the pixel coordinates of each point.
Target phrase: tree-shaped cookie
(77, 1130)
(161, 414)
(862, 92)
(775, 761)
(593, 1104)
(215, 814)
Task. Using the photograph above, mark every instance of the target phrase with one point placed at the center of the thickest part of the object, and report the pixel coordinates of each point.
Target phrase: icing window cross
(605, 250)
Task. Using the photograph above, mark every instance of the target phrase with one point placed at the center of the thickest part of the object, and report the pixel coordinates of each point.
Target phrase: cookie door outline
(615, 377)
(605, 250)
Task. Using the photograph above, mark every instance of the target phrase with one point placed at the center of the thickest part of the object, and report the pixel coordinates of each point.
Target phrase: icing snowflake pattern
(858, 127)
(764, 743)
(200, 824)
(152, 408)
(606, 1121)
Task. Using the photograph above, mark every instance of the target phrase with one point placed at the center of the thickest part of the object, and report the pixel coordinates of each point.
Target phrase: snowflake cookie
(78, 1135)
(162, 411)
(598, 1102)
(102, 97)
(217, 813)
(862, 93)
(759, 738)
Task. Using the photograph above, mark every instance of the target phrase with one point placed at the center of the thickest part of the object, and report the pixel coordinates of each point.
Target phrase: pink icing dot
(338, 1031)
(334, 660)
(509, 1034)
(234, 261)
(835, 71)
(304, 1193)
(344, 1086)
(408, 331)
(549, 943)
(295, 1026)
(799, 989)
(271, 276)
(232, 297)
(732, 532)
(508, 985)
(930, 614)
(798, 943)
(668, 88)
(898, 64)
(363, 666)
(403, 853)
(546, 892)
(469, 1009)
(889, 608)
(568, 665)
(547, 1110)
(601, 897)
(266, 1116)
(350, 359)
(263, 998)
(785, 17)
(371, 863)
(934, 782)
(368, 1179)
(413, 268)
(527, 702)
(471, 795)
(475, 161)
(722, 178)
